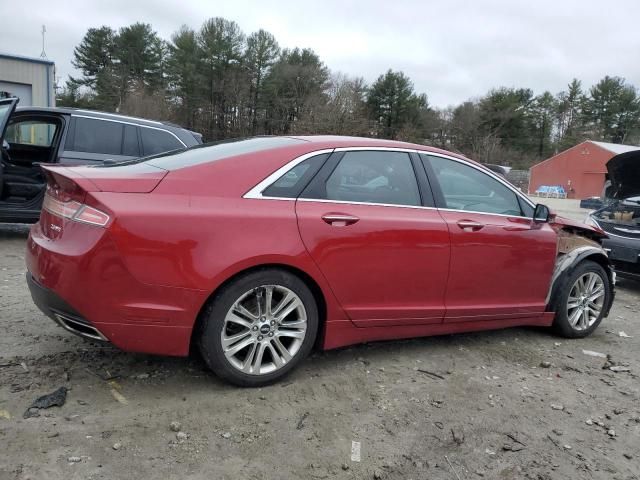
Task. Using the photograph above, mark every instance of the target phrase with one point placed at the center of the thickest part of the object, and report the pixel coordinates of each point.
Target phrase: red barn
(580, 170)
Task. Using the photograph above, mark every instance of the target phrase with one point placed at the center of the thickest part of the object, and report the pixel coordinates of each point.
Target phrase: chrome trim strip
(618, 236)
(593, 219)
(627, 230)
(380, 149)
(117, 115)
(256, 192)
(132, 123)
(345, 202)
(483, 213)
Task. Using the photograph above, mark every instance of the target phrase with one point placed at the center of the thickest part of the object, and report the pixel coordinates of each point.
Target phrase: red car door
(384, 253)
(501, 261)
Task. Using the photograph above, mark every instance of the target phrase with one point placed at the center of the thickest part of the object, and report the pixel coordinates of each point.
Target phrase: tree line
(223, 83)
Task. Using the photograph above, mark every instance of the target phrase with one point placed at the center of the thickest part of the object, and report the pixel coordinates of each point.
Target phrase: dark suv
(31, 136)
(620, 214)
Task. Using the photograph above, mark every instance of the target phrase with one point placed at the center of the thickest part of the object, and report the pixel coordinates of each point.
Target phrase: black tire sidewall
(213, 322)
(561, 323)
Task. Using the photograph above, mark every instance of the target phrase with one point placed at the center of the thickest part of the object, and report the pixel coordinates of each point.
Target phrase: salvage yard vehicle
(35, 136)
(257, 250)
(620, 215)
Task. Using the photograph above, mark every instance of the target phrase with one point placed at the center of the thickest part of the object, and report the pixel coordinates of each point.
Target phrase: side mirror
(541, 214)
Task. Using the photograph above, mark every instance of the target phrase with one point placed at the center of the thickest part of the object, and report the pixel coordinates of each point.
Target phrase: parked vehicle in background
(33, 136)
(620, 214)
(592, 203)
(256, 250)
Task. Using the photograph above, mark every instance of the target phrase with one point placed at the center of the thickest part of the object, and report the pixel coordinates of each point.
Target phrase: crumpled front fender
(567, 261)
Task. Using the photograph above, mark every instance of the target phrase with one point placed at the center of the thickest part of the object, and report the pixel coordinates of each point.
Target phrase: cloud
(452, 50)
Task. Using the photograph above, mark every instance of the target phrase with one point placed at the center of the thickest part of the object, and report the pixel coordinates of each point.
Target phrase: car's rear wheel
(259, 327)
(581, 300)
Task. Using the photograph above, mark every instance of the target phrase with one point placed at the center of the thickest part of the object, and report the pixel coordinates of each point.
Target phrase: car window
(31, 132)
(158, 141)
(466, 188)
(374, 177)
(96, 136)
(293, 182)
(211, 152)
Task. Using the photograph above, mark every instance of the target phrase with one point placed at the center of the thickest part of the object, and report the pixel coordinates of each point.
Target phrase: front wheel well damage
(573, 249)
(306, 278)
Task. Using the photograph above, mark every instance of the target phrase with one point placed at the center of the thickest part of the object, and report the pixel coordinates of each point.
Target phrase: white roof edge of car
(117, 115)
(616, 148)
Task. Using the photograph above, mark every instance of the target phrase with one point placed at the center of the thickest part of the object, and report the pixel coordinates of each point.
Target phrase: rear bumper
(82, 283)
(61, 312)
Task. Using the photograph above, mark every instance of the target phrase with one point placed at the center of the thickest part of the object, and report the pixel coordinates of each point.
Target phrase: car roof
(338, 141)
(96, 114)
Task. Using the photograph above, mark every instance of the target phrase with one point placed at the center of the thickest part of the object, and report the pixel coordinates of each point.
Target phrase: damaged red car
(258, 250)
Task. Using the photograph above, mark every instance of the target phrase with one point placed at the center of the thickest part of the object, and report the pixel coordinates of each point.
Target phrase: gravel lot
(509, 404)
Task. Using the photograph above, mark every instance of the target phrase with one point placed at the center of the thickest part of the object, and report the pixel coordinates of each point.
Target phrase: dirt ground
(510, 404)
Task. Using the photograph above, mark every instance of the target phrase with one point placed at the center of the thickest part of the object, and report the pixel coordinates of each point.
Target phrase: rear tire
(259, 327)
(581, 300)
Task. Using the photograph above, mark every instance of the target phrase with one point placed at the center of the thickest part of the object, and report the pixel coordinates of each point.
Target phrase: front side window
(466, 188)
(38, 133)
(374, 177)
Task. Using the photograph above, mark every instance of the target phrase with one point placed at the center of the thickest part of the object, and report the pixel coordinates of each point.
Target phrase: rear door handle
(339, 219)
(470, 225)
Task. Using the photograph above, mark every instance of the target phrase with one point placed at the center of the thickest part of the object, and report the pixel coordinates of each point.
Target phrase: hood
(624, 174)
(588, 231)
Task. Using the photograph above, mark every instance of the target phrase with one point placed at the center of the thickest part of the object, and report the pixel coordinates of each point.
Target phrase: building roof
(26, 59)
(615, 147)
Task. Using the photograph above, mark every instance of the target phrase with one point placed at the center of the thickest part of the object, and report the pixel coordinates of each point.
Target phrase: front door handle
(470, 225)
(339, 219)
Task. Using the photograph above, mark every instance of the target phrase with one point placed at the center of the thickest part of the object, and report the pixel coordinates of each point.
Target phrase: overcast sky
(453, 50)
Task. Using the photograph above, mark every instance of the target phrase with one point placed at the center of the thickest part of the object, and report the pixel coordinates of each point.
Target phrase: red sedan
(256, 250)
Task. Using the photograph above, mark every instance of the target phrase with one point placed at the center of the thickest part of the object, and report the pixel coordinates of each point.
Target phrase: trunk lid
(130, 178)
(624, 174)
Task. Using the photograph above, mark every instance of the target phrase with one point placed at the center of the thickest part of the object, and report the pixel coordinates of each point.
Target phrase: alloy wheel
(264, 329)
(586, 300)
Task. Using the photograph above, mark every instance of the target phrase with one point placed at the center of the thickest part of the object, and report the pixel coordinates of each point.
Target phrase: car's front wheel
(259, 327)
(581, 300)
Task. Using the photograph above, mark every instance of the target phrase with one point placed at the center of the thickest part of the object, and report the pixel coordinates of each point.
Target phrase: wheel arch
(309, 281)
(567, 262)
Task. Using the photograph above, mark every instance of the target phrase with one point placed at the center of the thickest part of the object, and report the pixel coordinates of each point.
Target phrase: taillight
(75, 211)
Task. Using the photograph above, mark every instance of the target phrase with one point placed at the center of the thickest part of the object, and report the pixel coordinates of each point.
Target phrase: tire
(274, 340)
(572, 322)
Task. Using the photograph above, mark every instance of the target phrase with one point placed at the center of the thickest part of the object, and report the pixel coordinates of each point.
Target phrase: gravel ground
(508, 404)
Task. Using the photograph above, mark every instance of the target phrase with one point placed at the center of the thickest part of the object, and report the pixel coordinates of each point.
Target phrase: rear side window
(96, 136)
(374, 177)
(158, 141)
(291, 184)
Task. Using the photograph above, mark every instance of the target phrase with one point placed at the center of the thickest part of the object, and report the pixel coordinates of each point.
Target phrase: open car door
(7, 107)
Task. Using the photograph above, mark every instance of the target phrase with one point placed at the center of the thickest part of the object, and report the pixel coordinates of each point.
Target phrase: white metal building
(29, 79)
